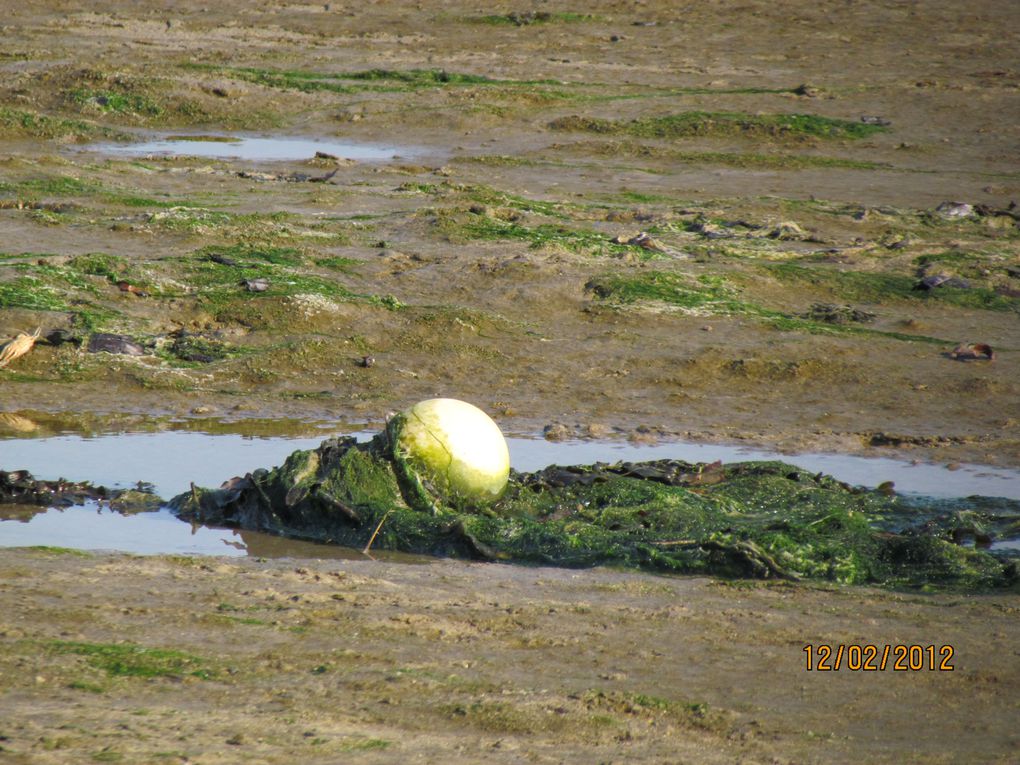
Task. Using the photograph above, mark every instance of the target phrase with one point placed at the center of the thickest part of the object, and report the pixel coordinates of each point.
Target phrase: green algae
(22, 123)
(130, 660)
(770, 161)
(523, 19)
(360, 81)
(765, 520)
(713, 295)
(876, 287)
(114, 101)
(701, 124)
(507, 226)
(679, 290)
(31, 293)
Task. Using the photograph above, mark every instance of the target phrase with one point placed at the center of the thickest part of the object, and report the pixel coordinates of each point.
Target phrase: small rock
(255, 175)
(643, 240)
(808, 91)
(256, 285)
(870, 119)
(934, 281)
(955, 210)
(556, 432)
(104, 342)
(61, 336)
(786, 230)
(972, 351)
(132, 289)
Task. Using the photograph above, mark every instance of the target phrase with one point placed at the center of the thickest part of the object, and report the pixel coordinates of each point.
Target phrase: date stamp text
(878, 658)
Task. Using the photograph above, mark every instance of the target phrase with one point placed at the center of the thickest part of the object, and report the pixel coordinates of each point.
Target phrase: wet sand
(320, 661)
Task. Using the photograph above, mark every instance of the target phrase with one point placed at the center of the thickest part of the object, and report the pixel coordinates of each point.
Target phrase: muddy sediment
(713, 201)
(272, 661)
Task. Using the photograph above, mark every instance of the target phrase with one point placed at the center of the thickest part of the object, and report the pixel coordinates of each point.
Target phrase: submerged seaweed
(750, 519)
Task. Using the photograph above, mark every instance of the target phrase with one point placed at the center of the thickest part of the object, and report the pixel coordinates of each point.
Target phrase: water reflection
(252, 148)
(94, 526)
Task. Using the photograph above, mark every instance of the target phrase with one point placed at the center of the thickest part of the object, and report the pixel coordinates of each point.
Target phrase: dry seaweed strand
(18, 347)
(375, 533)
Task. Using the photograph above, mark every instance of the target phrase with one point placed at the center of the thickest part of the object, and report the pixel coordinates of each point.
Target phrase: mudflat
(177, 659)
(789, 225)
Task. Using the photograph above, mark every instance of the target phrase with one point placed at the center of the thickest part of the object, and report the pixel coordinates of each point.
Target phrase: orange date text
(878, 658)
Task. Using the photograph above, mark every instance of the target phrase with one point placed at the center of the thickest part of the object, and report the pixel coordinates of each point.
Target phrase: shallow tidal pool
(170, 461)
(251, 148)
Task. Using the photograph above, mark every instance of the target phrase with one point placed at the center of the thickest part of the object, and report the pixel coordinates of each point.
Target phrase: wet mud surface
(790, 226)
(276, 661)
(714, 224)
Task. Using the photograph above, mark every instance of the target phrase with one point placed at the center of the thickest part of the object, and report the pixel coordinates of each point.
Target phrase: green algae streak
(752, 519)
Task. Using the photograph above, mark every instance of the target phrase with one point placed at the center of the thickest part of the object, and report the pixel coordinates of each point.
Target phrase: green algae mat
(741, 520)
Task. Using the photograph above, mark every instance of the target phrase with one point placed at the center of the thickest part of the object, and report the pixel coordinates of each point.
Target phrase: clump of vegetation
(119, 95)
(34, 188)
(28, 124)
(709, 294)
(544, 235)
(756, 519)
(776, 161)
(372, 80)
(713, 295)
(31, 293)
(114, 102)
(527, 18)
(129, 660)
(338, 263)
(110, 267)
(420, 77)
(697, 123)
(507, 224)
(876, 287)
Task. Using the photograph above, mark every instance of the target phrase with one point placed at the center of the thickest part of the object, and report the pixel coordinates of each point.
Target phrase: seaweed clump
(766, 520)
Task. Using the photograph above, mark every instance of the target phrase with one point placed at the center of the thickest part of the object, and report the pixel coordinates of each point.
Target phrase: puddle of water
(170, 460)
(252, 148)
(93, 526)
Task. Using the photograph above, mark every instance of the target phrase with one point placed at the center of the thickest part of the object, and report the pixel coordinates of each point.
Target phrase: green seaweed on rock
(756, 519)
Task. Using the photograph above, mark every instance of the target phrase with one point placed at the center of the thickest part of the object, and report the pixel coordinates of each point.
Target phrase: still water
(251, 148)
(171, 460)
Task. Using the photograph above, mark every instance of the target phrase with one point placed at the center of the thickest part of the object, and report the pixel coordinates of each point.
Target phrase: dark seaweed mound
(750, 519)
